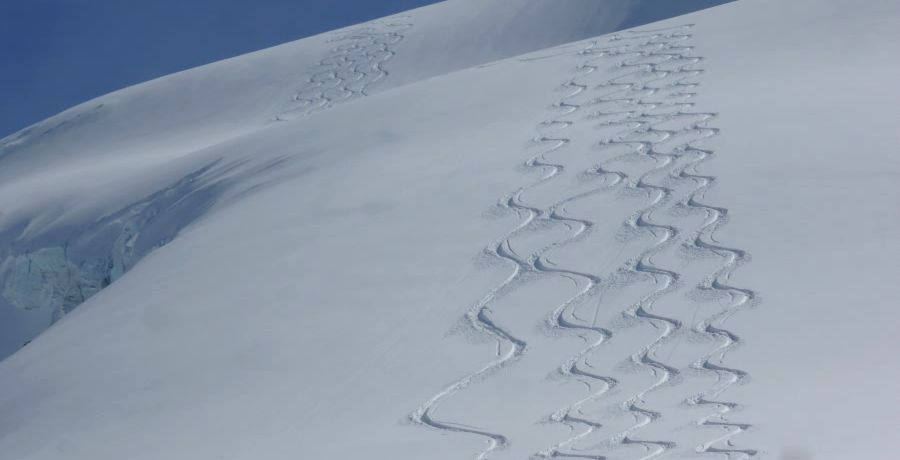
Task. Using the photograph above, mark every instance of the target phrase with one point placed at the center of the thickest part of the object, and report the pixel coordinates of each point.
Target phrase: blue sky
(58, 53)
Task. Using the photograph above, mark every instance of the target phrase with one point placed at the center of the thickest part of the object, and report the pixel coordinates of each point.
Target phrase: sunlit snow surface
(408, 240)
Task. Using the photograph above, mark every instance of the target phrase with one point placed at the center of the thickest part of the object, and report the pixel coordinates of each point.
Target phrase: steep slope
(669, 242)
(94, 175)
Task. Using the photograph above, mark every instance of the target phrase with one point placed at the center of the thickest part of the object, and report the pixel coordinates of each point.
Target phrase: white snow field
(479, 229)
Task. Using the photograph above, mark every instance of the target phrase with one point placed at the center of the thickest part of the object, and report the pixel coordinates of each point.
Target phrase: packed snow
(479, 229)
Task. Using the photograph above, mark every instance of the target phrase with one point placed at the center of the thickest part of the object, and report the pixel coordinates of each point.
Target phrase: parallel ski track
(739, 298)
(664, 46)
(479, 316)
(630, 92)
(350, 69)
(624, 91)
(634, 89)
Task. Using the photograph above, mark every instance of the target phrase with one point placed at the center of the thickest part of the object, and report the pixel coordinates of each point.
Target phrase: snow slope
(674, 241)
(89, 171)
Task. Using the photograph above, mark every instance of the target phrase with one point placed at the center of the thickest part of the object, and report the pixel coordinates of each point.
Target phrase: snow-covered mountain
(480, 229)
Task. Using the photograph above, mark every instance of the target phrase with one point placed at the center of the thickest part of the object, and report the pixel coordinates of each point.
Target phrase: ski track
(479, 316)
(655, 44)
(650, 61)
(704, 239)
(350, 69)
(623, 91)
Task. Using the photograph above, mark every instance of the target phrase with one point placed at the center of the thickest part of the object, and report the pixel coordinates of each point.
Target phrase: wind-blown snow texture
(408, 239)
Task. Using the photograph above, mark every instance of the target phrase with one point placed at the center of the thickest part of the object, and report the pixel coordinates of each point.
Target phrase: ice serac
(673, 241)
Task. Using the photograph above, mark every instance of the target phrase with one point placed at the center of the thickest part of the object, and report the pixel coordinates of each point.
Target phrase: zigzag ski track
(351, 67)
(646, 102)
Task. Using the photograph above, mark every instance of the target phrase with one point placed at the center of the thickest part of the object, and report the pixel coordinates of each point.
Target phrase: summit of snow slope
(674, 241)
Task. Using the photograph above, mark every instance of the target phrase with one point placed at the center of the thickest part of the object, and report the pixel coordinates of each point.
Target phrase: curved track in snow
(479, 316)
(350, 69)
(652, 58)
(647, 99)
(637, 134)
(738, 298)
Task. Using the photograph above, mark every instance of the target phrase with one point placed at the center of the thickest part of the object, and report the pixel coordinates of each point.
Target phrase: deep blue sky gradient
(58, 53)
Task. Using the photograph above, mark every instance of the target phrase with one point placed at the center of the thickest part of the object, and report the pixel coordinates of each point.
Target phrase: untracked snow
(440, 235)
